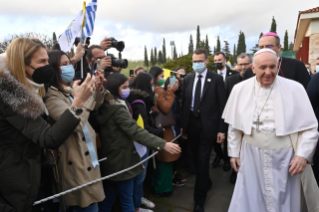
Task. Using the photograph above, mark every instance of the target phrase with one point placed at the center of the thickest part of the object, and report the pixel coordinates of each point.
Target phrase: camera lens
(122, 63)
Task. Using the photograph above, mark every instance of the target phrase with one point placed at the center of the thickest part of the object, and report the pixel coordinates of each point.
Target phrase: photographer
(23, 126)
(75, 154)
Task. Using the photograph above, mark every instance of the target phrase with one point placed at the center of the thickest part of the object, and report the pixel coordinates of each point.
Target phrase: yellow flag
(140, 121)
(83, 13)
(167, 73)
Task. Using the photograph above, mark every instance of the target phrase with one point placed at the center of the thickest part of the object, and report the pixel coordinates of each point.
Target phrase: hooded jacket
(23, 132)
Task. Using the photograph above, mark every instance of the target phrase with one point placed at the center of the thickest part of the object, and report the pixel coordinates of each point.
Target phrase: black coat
(231, 82)
(23, 132)
(140, 109)
(230, 72)
(212, 104)
(291, 69)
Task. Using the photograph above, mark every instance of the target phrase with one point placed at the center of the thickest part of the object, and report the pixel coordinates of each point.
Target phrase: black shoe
(199, 208)
(216, 161)
(233, 177)
(226, 166)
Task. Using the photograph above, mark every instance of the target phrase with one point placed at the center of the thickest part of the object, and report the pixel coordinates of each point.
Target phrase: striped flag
(90, 18)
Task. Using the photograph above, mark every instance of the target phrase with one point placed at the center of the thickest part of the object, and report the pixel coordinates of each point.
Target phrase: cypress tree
(241, 46)
(261, 34)
(54, 38)
(190, 45)
(152, 58)
(215, 50)
(218, 47)
(234, 51)
(198, 42)
(164, 51)
(146, 63)
(286, 41)
(72, 51)
(155, 55)
(160, 57)
(207, 46)
(291, 46)
(175, 53)
(226, 49)
(273, 27)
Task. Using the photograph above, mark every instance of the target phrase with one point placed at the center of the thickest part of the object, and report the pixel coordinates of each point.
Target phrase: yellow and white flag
(141, 149)
(74, 30)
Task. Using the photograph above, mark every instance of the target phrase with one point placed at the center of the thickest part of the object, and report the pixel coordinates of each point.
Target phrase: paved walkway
(218, 197)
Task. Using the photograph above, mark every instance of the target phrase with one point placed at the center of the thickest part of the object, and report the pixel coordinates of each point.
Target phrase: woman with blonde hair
(23, 126)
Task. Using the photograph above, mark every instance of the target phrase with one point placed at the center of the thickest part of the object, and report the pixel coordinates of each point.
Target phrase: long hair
(114, 81)
(143, 82)
(19, 54)
(54, 61)
(155, 71)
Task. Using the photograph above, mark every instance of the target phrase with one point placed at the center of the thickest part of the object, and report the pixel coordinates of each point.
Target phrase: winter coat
(23, 132)
(118, 130)
(140, 109)
(75, 165)
(165, 103)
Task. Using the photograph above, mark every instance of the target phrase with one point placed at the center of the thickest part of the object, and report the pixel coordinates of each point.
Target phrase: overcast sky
(147, 22)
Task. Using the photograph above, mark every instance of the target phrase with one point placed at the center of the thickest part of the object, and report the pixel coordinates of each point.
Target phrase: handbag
(165, 120)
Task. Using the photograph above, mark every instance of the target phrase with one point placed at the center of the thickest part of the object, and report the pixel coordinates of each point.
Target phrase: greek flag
(90, 18)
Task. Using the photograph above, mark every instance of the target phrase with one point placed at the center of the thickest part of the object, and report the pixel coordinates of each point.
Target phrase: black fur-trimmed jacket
(140, 109)
(23, 132)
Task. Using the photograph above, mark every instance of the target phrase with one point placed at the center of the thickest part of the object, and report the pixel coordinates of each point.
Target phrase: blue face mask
(198, 67)
(67, 73)
(317, 68)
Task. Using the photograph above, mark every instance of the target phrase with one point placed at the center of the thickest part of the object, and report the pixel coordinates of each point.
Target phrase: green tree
(155, 55)
(164, 51)
(218, 47)
(190, 45)
(273, 27)
(207, 45)
(286, 47)
(198, 42)
(226, 49)
(261, 34)
(241, 46)
(72, 51)
(234, 51)
(291, 46)
(146, 63)
(175, 53)
(160, 57)
(234, 56)
(214, 49)
(152, 58)
(255, 48)
(54, 38)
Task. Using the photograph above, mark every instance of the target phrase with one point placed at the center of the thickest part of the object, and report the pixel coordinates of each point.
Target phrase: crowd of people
(59, 131)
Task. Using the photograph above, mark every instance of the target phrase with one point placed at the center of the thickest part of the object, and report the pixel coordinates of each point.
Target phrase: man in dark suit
(288, 68)
(204, 99)
(220, 64)
(244, 60)
(308, 67)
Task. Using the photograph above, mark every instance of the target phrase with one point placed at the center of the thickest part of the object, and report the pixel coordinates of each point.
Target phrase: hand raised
(83, 92)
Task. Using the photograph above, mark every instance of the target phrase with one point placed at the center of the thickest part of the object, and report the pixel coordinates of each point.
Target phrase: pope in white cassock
(272, 137)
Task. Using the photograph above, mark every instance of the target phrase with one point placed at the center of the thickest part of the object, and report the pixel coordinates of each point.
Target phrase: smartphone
(172, 80)
(92, 68)
(99, 63)
(155, 97)
(131, 72)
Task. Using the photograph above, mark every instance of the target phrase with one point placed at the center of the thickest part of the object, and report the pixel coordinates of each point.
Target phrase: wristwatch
(77, 110)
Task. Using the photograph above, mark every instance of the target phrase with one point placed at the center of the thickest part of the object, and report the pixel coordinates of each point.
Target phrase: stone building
(307, 36)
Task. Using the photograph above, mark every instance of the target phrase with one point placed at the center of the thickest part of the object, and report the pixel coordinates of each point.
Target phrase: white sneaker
(147, 203)
(145, 210)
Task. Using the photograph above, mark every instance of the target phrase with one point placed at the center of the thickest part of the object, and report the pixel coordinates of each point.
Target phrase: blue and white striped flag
(90, 18)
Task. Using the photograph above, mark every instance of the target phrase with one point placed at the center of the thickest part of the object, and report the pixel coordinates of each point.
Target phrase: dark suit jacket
(212, 104)
(230, 72)
(291, 69)
(86, 70)
(231, 82)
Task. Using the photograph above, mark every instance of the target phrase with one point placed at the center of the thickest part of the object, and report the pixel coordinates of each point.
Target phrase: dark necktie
(198, 93)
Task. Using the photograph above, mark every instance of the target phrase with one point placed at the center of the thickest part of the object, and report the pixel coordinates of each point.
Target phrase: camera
(77, 41)
(119, 45)
(122, 63)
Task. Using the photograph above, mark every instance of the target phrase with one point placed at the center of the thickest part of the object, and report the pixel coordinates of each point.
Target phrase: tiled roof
(314, 10)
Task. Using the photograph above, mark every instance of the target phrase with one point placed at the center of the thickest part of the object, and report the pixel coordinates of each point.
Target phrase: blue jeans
(138, 184)
(112, 189)
(91, 208)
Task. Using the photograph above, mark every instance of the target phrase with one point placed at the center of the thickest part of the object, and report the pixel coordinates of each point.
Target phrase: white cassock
(264, 182)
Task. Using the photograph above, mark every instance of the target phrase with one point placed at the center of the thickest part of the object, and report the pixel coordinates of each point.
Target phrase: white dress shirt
(224, 71)
(194, 86)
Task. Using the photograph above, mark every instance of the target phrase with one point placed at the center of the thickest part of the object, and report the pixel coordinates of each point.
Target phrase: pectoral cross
(258, 123)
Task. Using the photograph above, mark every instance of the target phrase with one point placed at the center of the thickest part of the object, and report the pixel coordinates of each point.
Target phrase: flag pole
(81, 39)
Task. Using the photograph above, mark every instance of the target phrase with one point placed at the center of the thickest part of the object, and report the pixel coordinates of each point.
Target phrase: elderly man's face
(265, 67)
(243, 64)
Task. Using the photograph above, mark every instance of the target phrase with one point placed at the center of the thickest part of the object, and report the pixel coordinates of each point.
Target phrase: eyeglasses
(244, 64)
(267, 46)
(198, 61)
